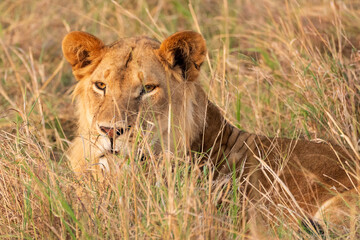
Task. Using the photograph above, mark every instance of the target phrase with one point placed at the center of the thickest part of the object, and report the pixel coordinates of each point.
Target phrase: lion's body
(312, 172)
(138, 84)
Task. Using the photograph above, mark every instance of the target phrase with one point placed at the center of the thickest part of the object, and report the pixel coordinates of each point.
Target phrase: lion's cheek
(103, 144)
(89, 117)
(123, 146)
(92, 107)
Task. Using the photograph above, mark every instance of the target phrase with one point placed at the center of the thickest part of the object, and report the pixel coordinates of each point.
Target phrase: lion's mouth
(141, 158)
(105, 164)
(110, 152)
(112, 145)
(114, 152)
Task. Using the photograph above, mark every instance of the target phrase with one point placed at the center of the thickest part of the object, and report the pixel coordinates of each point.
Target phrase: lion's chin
(112, 161)
(104, 165)
(112, 155)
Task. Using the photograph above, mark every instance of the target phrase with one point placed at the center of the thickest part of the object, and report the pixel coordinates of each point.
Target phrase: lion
(139, 84)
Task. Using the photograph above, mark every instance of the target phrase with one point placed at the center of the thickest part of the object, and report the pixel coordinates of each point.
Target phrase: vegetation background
(286, 68)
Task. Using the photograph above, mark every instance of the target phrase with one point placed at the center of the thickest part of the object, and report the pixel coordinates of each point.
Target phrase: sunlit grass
(278, 68)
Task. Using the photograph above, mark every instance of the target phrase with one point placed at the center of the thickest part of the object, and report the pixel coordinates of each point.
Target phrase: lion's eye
(149, 88)
(100, 85)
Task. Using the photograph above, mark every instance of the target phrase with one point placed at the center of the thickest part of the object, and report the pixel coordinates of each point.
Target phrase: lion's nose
(112, 132)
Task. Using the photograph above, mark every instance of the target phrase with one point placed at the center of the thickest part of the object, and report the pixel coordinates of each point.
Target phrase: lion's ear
(186, 50)
(83, 51)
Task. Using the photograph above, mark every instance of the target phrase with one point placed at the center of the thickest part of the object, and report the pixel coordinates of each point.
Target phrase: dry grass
(279, 68)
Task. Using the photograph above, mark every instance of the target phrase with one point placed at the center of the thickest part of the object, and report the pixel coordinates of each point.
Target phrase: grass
(278, 68)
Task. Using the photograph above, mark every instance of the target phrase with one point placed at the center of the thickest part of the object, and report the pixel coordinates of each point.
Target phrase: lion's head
(135, 84)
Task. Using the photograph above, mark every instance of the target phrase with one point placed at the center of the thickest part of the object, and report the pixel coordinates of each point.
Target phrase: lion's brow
(129, 57)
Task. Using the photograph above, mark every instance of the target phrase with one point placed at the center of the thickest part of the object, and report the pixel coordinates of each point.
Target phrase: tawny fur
(296, 173)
